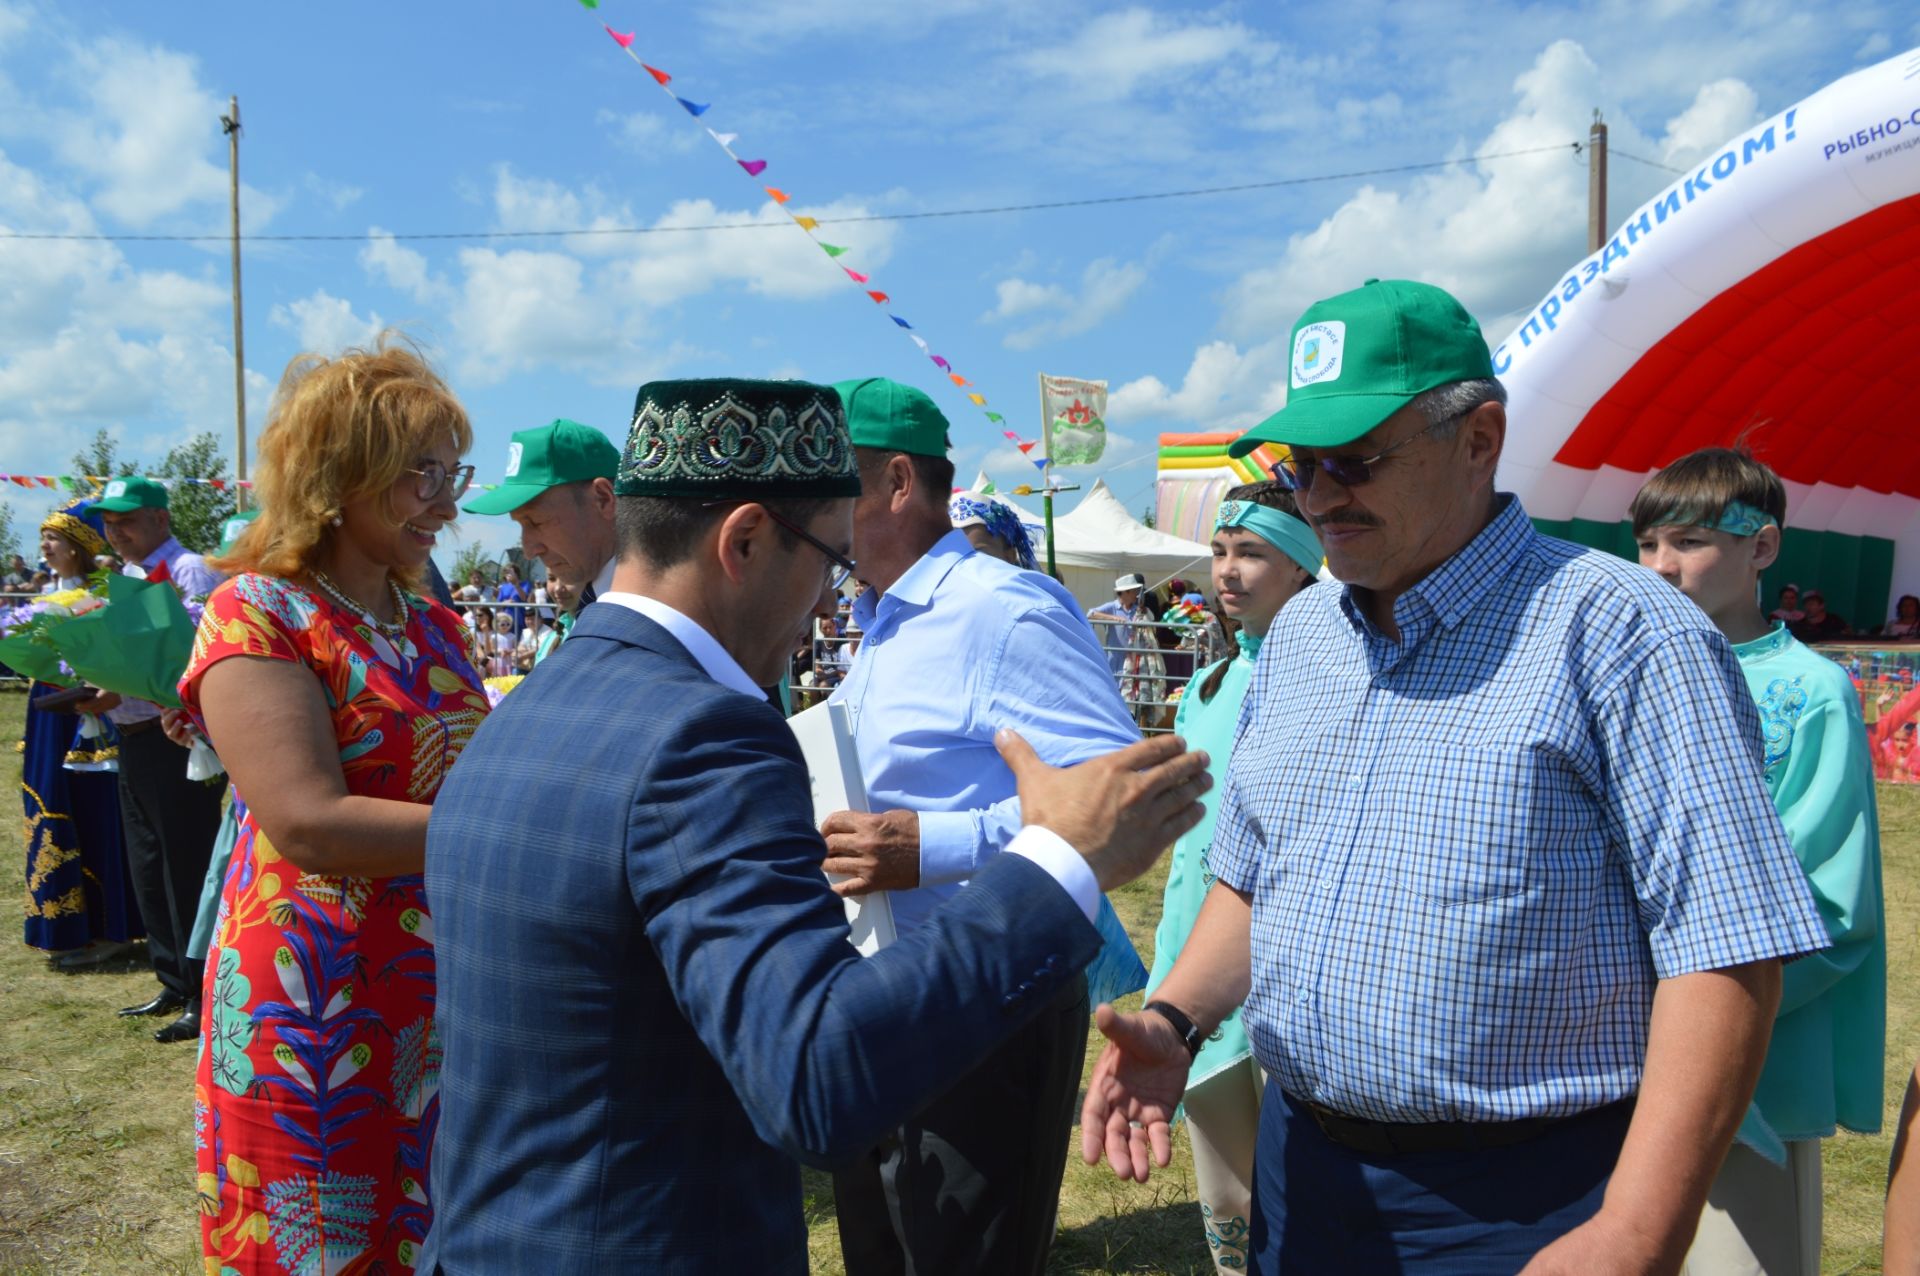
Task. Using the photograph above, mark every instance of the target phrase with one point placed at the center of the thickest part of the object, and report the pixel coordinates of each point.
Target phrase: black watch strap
(1190, 1035)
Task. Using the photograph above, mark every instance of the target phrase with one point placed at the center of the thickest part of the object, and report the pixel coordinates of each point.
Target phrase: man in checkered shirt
(1498, 875)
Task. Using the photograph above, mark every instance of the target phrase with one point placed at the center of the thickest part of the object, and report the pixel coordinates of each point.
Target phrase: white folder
(825, 734)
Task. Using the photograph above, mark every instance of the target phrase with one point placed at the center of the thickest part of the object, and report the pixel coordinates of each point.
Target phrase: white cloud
(1115, 54)
(1490, 232)
(339, 196)
(1105, 287)
(1224, 388)
(518, 309)
(147, 134)
(1877, 45)
(326, 324)
(645, 132)
(401, 268)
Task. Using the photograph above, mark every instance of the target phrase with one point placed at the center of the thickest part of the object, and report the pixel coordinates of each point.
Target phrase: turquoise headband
(1290, 535)
(1738, 519)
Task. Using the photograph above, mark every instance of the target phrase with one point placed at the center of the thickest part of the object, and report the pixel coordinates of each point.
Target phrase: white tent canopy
(1098, 541)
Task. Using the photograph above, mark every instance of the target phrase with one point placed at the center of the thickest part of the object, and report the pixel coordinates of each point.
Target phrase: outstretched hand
(1132, 1095)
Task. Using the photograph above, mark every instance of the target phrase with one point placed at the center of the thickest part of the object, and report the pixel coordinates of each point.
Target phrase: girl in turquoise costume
(1710, 523)
(80, 902)
(1263, 554)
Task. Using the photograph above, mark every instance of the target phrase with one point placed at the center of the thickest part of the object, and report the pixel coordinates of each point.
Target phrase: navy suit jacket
(648, 1006)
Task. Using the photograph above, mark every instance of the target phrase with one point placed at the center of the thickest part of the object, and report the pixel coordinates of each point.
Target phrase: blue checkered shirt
(1473, 851)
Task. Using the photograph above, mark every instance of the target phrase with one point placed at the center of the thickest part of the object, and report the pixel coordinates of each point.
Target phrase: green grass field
(96, 1149)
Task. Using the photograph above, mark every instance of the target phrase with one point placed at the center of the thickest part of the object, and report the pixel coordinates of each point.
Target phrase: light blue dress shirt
(1473, 851)
(960, 646)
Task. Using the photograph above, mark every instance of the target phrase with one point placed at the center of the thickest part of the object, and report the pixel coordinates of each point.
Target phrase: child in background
(1709, 524)
(500, 650)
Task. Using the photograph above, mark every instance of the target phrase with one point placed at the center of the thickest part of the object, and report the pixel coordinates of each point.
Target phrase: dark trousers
(170, 824)
(1319, 1207)
(972, 1183)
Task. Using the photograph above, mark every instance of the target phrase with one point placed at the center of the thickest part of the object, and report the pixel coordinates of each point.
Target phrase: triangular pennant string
(754, 168)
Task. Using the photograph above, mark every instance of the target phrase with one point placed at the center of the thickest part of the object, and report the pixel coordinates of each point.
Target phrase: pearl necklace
(395, 630)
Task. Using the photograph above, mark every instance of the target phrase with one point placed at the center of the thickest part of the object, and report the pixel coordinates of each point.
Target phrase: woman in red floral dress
(337, 696)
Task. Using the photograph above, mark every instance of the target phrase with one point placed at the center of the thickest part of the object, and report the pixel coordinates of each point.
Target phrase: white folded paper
(833, 771)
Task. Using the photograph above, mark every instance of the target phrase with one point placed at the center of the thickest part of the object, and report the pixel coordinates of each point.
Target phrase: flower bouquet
(137, 644)
(25, 634)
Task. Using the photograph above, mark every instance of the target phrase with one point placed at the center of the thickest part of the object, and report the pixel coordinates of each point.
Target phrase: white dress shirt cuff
(1060, 862)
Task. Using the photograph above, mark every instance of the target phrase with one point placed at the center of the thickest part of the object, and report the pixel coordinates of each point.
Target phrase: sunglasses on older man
(1348, 471)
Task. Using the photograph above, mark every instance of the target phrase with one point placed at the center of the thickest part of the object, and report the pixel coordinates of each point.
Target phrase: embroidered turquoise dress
(1825, 1066)
(1209, 726)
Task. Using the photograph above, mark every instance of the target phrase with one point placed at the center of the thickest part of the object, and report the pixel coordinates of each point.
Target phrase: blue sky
(368, 121)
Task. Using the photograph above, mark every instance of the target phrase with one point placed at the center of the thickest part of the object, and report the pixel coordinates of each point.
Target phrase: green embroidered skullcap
(891, 417)
(549, 456)
(125, 495)
(725, 439)
(1362, 356)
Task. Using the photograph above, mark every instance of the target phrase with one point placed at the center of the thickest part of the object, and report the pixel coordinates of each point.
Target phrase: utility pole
(231, 123)
(1596, 184)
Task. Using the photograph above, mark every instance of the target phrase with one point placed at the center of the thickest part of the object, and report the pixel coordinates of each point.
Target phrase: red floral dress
(317, 1092)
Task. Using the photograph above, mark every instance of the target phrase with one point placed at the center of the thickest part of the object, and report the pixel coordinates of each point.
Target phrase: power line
(1138, 198)
(1614, 150)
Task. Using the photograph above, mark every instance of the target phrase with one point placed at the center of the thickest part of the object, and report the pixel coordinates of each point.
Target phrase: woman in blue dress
(80, 906)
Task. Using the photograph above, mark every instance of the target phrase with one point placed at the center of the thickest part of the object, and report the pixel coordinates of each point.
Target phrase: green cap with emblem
(231, 529)
(129, 493)
(726, 439)
(548, 456)
(890, 417)
(1362, 356)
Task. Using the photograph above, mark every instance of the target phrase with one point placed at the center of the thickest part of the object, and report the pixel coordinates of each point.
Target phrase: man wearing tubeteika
(647, 999)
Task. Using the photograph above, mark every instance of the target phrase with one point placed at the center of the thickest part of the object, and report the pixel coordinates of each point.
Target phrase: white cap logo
(116, 488)
(1316, 352)
(513, 459)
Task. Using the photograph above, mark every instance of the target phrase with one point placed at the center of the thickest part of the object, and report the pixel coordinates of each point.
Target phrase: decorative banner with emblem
(1074, 414)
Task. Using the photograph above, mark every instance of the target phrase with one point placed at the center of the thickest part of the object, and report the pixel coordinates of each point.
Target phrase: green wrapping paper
(137, 645)
(25, 652)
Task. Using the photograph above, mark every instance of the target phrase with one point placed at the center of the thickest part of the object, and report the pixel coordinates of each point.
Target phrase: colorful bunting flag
(1039, 463)
(1026, 448)
(753, 168)
(590, 4)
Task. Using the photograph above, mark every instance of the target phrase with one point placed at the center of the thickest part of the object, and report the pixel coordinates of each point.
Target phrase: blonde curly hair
(340, 429)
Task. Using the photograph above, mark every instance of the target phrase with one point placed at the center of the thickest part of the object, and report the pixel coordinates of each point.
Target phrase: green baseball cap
(231, 529)
(537, 459)
(1362, 356)
(124, 495)
(892, 417)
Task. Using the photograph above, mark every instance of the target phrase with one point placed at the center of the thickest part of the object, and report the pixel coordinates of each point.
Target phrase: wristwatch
(1190, 1035)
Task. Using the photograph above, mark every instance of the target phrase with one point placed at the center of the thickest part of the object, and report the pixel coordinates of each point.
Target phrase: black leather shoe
(185, 1028)
(166, 1003)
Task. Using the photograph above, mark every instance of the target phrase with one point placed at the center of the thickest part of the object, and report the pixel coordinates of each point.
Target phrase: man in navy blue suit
(648, 1006)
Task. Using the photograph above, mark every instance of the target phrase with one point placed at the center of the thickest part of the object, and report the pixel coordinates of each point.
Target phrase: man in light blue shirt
(957, 644)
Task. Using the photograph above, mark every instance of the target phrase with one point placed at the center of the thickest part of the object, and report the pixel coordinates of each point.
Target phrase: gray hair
(1448, 403)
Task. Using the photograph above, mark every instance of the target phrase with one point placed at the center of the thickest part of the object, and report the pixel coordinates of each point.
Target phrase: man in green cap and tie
(1497, 871)
(957, 644)
(558, 487)
(647, 999)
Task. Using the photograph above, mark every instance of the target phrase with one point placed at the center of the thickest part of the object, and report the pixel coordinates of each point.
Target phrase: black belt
(1405, 1138)
(135, 727)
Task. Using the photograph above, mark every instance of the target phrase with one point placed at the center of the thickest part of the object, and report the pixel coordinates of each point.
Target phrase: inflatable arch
(1773, 295)
(1195, 472)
